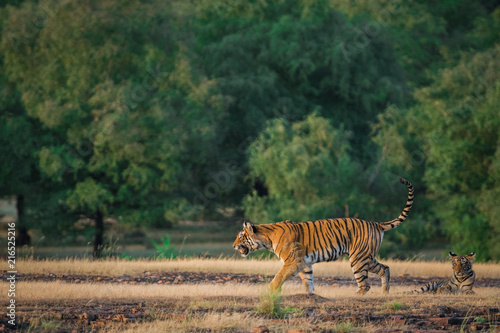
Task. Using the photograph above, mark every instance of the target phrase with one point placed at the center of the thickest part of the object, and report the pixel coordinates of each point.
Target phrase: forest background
(147, 114)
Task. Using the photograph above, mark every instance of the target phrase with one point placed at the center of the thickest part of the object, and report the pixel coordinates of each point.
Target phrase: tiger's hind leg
(360, 267)
(384, 272)
(307, 279)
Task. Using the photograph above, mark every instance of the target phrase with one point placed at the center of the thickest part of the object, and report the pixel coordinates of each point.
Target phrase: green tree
(144, 111)
(19, 137)
(287, 59)
(405, 23)
(123, 112)
(451, 137)
(426, 36)
(302, 165)
(310, 174)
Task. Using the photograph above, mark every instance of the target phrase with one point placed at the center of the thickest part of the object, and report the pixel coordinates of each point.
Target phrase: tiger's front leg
(445, 289)
(285, 272)
(292, 255)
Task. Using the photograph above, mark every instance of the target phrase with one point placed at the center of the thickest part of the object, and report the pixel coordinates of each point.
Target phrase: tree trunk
(99, 233)
(23, 238)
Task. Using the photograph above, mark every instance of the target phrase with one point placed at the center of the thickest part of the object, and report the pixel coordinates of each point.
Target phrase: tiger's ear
(471, 256)
(249, 226)
(452, 255)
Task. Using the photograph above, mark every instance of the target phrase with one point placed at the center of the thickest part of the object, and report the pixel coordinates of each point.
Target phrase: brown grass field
(228, 295)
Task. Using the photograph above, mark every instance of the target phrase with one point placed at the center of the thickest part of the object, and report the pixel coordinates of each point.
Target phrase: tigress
(461, 280)
(299, 245)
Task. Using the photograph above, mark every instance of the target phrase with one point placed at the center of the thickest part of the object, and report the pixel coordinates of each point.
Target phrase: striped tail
(404, 214)
(431, 287)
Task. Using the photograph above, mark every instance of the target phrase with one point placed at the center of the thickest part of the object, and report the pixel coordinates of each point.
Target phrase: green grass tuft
(395, 306)
(270, 305)
(345, 327)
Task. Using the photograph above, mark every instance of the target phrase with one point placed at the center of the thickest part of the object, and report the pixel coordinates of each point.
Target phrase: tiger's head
(462, 265)
(249, 239)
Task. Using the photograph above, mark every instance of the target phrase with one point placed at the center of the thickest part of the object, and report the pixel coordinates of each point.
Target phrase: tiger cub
(461, 281)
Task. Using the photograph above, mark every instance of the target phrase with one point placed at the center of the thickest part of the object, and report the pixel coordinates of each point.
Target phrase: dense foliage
(150, 112)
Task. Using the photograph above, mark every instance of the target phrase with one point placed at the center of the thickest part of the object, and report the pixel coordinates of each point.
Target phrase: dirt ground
(305, 314)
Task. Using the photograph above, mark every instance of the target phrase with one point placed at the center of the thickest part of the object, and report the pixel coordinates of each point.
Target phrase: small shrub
(270, 304)
(345, 327)
(126, 257)
(297, 312)
(395, 306)
(165, 249)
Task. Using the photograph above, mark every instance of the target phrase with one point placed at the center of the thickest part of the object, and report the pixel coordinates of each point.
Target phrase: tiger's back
(327, 239)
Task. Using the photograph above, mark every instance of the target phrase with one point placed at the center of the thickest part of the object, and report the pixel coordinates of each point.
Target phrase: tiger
(461, 281)
(300, 245)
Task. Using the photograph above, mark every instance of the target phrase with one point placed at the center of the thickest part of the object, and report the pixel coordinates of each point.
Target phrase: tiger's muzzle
(244, 250)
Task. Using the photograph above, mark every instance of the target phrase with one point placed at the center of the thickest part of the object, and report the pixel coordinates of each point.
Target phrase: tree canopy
(152, 112)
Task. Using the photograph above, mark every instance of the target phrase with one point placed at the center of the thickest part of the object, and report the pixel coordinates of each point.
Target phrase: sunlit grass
(215, 322)
(231, 307)
(36, 290)
(116, 267)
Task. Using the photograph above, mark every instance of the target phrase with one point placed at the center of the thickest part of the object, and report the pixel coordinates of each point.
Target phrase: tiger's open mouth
(243, 250)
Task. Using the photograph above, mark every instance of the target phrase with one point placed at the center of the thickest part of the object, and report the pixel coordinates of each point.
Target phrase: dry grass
(116, 267)
(217, 322)
(213, 322)
(230, 307)
(33, 291)
(340, 299)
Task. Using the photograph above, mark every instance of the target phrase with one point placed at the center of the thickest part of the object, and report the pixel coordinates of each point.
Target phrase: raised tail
(404, 214)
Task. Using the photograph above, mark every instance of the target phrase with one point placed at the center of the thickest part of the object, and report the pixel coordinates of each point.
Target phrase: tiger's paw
(362, 290)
